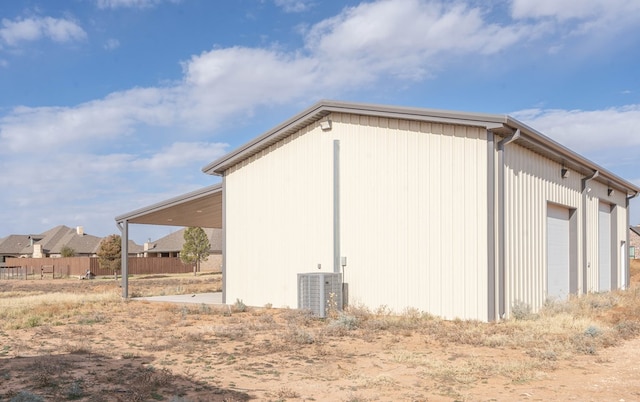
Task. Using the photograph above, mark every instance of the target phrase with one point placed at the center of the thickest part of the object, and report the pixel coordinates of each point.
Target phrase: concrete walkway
(197, 298)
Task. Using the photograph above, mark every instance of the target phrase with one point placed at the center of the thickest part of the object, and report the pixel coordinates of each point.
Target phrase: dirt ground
(136, 351)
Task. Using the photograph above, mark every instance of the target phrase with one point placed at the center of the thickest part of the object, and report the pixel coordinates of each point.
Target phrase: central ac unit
(317, 289)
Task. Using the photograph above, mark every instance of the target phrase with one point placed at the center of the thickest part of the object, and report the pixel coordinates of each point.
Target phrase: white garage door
(604, 247)
(557, 252)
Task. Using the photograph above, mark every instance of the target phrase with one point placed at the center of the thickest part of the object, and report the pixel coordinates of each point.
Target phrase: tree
(110, 254)
(67, 251)
(195, 248)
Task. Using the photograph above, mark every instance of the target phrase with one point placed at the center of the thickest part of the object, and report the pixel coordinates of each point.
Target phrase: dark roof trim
(537, 140)
(635, 229)
(216, 188)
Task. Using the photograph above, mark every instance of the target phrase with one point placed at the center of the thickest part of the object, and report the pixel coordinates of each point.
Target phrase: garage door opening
(562, 278)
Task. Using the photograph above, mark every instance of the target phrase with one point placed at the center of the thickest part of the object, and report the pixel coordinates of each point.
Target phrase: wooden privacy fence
(78, 266)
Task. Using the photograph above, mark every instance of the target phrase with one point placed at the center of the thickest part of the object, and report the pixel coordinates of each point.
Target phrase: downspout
(491, 227)
(585, 263)
(224, 238)
(336, 206)
(124, 255)
(627, 279)
(502, 221)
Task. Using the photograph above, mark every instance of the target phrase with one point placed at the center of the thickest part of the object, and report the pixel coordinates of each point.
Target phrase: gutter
(502, 218)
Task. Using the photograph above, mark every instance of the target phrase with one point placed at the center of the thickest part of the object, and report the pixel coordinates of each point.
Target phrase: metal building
(461, 215)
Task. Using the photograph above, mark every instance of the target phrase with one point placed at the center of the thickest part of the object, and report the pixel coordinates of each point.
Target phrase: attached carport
(201, 208)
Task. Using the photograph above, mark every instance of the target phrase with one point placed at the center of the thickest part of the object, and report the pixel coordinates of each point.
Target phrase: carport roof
(201, 208)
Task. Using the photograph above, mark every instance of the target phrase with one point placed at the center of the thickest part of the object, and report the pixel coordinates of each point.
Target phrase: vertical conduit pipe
(502, 224)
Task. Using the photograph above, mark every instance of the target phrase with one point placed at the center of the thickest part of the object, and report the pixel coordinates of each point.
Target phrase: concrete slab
(197, 298)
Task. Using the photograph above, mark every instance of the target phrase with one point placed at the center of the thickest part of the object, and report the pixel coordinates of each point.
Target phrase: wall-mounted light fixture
(609, 192)
(564, 172)
(325, 125)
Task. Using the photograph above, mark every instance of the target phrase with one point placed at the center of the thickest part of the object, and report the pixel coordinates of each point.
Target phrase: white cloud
(294, 6)
(131, 3)
(587, 131)
(36, 28)
(586, 16)
(112, 44)
(377, 38)
(180, 154)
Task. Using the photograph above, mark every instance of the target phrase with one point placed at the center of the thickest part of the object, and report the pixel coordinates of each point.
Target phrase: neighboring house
(12, 246)
(171, 245)
(634, 242)
(51, 243)
(378, 194)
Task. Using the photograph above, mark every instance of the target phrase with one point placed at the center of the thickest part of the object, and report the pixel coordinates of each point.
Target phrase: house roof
(174, 241)
(502, 125)
(13, 244)
(53, 240)
(179, 211)
(635, 229)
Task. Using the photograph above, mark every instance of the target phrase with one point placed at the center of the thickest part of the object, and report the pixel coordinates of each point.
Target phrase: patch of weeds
(239, 306)
(43, 371)
(75, 390)
(593, 331)
(285, 392)
(93, 319)
(26, 396)
(205, 309)
(298, 336)
(344, 321)
(521, 311)
(129, 355)
(627, 329)
(34, 321)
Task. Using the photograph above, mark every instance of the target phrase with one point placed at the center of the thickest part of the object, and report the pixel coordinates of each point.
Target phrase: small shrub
(75, 390)
(34, 321)
(26, 396)
(521, 310)
(344, 321)
(297, 336)
(628, 329)
(239, 306)
(593, 331)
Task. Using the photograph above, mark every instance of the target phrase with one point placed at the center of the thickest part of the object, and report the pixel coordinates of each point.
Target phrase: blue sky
(107, 106)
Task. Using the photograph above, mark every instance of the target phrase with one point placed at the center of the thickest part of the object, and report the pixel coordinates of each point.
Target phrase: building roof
(178, 211)
(635, 229)
(174, 241)
(502, 125)
(53, 240)
(13, 244)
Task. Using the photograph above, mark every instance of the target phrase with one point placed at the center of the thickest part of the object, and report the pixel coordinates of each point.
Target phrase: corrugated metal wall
(279, 219)
(413, 216)
(531, 182)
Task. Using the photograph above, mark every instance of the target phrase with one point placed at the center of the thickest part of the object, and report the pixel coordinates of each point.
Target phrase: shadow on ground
(94, 377)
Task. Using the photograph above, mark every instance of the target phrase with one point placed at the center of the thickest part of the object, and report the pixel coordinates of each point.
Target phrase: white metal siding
(413, 216)
(532, 181)
(413, 213)
(279, 219)
(557, 252)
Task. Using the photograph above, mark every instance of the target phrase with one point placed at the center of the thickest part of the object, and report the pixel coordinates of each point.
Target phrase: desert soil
(137, 350)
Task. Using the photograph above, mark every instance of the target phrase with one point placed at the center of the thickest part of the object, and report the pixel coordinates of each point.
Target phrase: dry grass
(195, 349)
